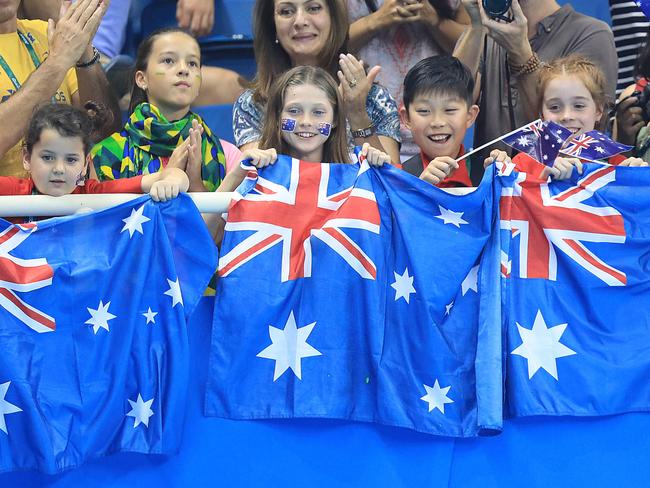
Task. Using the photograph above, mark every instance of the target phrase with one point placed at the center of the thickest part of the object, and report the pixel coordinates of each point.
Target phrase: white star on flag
(451, 217)
(471, 281)
(449, 307)
(288, 347)
(150, 316)
(99, 318)
(523, 141)
(140, 411)
(174, 292)
(599, 149)
(546, 137)
(403, 285)
(436, 397)
(133, 223)
(541, 346)
(6, 407)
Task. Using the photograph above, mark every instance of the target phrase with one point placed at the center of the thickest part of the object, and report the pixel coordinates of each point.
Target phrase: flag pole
(493, 141)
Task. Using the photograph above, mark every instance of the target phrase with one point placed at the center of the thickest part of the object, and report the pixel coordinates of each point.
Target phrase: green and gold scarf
(147, 141)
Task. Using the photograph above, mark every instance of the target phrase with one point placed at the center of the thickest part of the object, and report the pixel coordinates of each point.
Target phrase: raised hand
(394, 12)
(354, 86)
(71, 36)
(512, 36)
(196, 15)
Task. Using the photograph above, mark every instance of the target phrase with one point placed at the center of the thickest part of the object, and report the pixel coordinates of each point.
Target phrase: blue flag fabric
(94, 346)
(576, 314)
(352, 293)
(593, 145)
(541, 140)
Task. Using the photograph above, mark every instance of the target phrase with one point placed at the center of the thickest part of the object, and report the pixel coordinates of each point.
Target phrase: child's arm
(166, 184)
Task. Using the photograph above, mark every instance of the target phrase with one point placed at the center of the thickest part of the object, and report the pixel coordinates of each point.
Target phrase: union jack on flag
(544, 222)
(23, 275)
(312, 205)
(593, 145)
(541, 140)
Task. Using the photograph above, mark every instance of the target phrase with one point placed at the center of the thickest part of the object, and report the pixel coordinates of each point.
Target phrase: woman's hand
(562, 169)
(374, 156)
(633, 162)
(474, 12)
(354, 86)
(438, 169)
(394, 12)
(260, 157)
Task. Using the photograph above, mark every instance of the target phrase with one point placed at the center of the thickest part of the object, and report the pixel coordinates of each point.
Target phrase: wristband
(530, 66)
(93, 61)
(363, 133)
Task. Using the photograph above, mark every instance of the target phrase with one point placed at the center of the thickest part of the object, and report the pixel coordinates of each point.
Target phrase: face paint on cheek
(159, 73)
(324, 129)
(288, 125)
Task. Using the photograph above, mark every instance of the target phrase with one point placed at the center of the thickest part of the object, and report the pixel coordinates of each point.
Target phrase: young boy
(438, 109)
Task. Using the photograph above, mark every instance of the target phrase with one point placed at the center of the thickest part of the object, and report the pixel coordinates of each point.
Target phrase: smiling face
(438, 123)
(172, 78)
(56, 163)
(302, 28)
(309, 106)
(568, 102)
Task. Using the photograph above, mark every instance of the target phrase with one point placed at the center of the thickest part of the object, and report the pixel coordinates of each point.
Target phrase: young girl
(304, 120)
(55, 154)
(166, 82)
(572, 94)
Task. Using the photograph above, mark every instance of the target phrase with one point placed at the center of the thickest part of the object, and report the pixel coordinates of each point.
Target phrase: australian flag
(593, 145)
(576, 256)
(542, 140)
(357, 293)
(94, 347)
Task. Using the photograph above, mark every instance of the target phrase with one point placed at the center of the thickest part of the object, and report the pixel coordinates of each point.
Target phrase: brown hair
(590, 74)
(272, 60)
(335, 148)
(68, 121)
(138, 95)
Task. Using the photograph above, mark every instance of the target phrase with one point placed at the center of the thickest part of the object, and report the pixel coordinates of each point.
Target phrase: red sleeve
(122, 185)
(10, 185)
(616, 159)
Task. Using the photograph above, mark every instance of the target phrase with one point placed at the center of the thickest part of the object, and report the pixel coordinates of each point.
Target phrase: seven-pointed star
(6, 407)
(133, 223)
(99, 318)
(150, 316)
(523, 141)
(471, 281)
(140, 411)
(288, 347)
(403, 285)
(436, 397)
(174, 292)
(541, 346)
(451, 217)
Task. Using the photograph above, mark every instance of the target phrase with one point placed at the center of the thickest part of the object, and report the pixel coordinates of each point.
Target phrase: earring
(276, 41)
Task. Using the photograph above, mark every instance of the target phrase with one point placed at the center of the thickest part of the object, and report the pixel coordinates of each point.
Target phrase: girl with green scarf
(167, 81)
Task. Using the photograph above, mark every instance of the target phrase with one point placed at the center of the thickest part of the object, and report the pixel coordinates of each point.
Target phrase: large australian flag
(357, 293)
(94, 355)
(577, 279)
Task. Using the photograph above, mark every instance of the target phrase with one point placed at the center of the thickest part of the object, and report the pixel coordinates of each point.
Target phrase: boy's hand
(633, 162)
(172, 181)
(260, 157)
(374, 156)
(562, 169)
(438, 169)
(497, 156)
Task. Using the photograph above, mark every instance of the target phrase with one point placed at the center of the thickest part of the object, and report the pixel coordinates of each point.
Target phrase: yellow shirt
(19, 60)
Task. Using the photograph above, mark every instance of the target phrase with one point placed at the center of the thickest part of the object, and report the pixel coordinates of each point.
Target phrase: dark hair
(442, 74)
(272, 60)
(442, 7)
(138, 95)
(68, 121)
(335, 148)
(642, 64)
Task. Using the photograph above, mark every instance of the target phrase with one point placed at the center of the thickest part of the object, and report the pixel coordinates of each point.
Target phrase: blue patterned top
(248, 116)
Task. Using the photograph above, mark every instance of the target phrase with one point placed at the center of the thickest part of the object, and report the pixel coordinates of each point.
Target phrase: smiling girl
(166, 82)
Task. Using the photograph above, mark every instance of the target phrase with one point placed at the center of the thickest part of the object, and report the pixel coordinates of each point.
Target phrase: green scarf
(147, 141)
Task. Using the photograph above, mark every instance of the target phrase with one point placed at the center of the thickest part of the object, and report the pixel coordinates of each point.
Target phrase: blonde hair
(576, 65)
(335, 148)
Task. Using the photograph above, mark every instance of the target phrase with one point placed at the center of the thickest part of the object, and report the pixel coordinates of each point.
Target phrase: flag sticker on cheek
(324, 129)
(288, 125)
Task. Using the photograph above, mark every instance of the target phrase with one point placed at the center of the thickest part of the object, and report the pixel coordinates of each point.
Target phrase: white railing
(46, 206)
